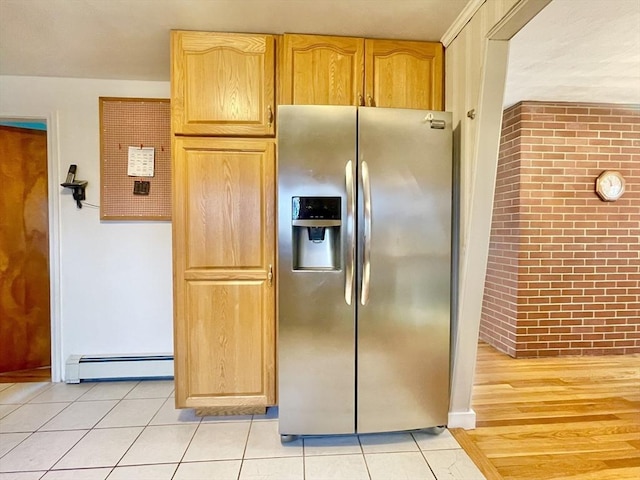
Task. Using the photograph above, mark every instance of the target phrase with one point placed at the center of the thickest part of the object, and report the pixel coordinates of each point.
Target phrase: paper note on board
(141, 161)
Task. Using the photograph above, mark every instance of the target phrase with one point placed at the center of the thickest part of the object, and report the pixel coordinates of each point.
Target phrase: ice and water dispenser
(316, 227)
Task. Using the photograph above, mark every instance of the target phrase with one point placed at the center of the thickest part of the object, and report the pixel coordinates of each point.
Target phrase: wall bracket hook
(77, 186)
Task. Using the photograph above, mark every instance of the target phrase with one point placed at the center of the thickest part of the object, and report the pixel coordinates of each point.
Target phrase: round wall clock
(610, 185)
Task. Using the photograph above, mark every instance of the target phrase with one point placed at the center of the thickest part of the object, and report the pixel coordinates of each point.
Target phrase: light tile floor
(130, 430)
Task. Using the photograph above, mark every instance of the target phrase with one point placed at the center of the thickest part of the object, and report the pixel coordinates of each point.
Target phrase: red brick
(563, 264)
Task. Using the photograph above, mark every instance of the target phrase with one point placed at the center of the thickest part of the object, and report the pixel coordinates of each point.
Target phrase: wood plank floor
(565, 418)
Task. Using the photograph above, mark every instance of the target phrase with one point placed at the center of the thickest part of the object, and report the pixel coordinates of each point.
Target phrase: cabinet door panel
(224, 208)
(226, 324)
(222, 84)
(224, 252)
(403, 74)
(322, 70)
(223, 89)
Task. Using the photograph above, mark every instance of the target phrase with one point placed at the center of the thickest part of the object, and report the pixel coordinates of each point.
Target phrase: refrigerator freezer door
(316, 344)
(403, 324)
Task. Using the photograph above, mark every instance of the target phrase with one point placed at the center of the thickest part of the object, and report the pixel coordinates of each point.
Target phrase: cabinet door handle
(360, 100)
(370, 101)
(270, 275)
(269, 116)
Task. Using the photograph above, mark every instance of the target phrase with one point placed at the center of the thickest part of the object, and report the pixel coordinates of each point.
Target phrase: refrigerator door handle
(351, 232)
(366, 253)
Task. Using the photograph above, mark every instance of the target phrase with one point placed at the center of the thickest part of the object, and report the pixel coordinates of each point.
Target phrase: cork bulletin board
(129, 128)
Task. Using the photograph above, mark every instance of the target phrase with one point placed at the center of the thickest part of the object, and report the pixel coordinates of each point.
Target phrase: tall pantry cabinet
(222, 98)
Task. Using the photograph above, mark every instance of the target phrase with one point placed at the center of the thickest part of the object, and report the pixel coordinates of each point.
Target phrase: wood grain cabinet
(224, 254)
(321, 70)
(404, 74)
(222, 84)
(324, 70)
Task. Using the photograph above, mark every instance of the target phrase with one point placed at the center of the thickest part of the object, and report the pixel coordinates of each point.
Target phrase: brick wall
(564, 266)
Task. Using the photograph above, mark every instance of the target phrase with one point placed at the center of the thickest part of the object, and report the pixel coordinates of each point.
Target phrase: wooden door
(222, 84)
(404, 74)
(224, 255)
(25, 331)
(322, 70)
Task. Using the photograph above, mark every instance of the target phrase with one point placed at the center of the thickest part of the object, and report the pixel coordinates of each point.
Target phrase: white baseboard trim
(117, 367)
(466, 420)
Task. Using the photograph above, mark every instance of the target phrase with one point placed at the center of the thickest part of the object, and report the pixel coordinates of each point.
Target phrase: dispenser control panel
(316, 233)
(316, 208)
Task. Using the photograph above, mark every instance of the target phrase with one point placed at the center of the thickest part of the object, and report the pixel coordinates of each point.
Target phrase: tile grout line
(68, 450)
(304, 457)
(424, 457)
(16, 445)
(95, 427)
(31, 433)
(28, 398)
(70, 429)
(244, 451)
(106, 414)
(198, 424)
(77, 400)
(51, 468)
(31, 400)
(144, 427)
(364, 457)
(193, 435)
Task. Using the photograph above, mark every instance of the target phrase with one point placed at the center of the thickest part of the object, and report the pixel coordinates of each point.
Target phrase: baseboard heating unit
(117, 367)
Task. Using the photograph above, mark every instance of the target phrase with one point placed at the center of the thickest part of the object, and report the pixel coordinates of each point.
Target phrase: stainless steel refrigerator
(364, 245)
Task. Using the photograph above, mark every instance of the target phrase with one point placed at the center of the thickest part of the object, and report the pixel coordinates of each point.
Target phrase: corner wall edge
(461, 20)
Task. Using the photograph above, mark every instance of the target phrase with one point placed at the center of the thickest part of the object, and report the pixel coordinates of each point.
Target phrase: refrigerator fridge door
(316, 289)
(404, 265)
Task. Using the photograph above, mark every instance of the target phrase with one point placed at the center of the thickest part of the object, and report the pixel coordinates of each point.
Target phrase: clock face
(610, 185)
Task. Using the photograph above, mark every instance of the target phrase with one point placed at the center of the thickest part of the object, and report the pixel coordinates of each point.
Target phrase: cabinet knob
(360, 100)
(370, 102)
(269, 116)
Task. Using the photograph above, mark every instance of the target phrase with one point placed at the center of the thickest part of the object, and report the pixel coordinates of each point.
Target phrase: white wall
(115, 293)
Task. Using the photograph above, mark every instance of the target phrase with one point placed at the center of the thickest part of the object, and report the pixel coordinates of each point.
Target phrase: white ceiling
(130, 38)
(577, 50)
(574, 50)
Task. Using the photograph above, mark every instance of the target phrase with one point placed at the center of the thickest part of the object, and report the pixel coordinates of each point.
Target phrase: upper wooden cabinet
(222, 84)
(404, 74)
(322, 70)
